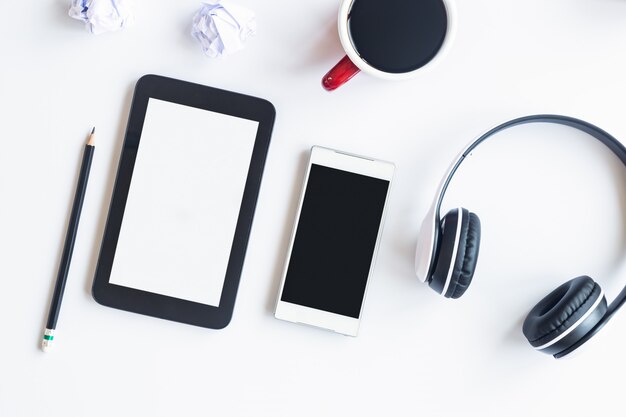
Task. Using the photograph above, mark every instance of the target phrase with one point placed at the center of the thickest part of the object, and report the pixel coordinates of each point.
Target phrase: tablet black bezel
(202, 97)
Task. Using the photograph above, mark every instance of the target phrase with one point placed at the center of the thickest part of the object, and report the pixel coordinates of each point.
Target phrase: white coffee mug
(352, 63)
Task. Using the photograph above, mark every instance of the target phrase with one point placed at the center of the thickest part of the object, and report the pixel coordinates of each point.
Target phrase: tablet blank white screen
(184, 201)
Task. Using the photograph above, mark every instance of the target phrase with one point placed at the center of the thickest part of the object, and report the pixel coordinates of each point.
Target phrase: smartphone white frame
(351, 163)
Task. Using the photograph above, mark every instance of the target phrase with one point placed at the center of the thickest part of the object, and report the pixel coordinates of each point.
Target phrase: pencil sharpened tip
(90, 140)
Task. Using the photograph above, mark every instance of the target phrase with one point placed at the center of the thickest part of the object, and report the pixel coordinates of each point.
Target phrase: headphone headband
(429, 232)
(608, 140)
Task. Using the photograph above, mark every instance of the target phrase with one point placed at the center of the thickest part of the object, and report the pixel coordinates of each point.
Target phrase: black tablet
(183, 202)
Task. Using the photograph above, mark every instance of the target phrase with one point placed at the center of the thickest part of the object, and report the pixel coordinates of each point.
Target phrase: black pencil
(68, 248)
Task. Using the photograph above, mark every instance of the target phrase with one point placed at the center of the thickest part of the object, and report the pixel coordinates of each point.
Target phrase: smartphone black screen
(335, 241)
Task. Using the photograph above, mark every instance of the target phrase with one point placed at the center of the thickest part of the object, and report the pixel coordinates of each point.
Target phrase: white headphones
(447, 252)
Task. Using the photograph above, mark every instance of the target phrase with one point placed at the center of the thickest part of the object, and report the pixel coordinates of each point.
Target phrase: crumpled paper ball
(102, 15)
(222, 27)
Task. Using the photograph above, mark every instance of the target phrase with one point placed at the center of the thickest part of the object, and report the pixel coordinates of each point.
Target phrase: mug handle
(339, 74)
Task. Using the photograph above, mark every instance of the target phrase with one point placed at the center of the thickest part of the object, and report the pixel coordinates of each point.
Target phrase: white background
(551, 203)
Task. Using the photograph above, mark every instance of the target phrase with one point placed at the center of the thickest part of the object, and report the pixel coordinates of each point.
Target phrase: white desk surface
(551, 201)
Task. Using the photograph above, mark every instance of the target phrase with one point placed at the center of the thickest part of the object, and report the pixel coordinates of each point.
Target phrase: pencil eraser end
(48, 338)
(46, 345)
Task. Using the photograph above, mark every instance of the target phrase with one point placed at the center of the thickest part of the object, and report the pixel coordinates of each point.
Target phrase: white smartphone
(335, 240)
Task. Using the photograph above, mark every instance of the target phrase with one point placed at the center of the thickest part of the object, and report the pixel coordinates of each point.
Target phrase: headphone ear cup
(565, 315)
(457, 254)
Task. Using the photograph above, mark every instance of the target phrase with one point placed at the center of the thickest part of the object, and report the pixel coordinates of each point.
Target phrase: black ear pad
(565, 315)
(457, 253)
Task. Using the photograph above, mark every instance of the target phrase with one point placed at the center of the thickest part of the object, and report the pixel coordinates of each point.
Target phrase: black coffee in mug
(397, 36)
